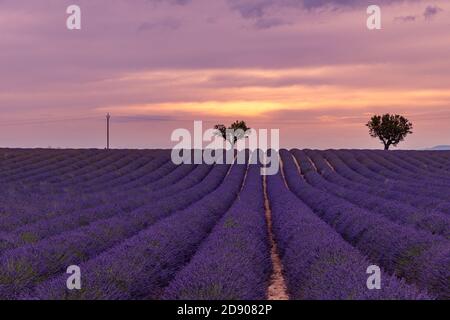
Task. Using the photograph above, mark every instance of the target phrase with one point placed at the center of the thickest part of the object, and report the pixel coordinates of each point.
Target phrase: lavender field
(140, 227)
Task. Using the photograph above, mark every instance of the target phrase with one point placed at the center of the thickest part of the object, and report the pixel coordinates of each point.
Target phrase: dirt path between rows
(277, 289)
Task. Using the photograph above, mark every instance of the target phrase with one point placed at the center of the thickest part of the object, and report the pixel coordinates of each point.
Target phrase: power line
(44, 120)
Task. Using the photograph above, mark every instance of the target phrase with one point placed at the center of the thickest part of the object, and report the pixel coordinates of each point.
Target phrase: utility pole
(108, 116)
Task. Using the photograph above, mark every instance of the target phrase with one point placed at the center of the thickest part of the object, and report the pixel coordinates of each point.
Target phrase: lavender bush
(141, 227)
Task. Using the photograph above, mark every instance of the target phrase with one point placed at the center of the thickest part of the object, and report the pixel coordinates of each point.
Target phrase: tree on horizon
(236, 131)
(390, 129)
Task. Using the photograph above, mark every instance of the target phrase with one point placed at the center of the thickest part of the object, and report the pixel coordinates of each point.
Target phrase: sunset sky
(310, 68)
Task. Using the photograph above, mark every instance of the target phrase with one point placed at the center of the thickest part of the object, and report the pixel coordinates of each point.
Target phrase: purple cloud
(431, 11)
(257, 8)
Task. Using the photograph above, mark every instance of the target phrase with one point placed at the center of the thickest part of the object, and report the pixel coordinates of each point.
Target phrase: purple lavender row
(139, 267)
(133, 175)
(433, 222)
(127, 175)
(11, 157)
(375, 170)
(85, 172)
(422, 163)
(118, 180)
(140, 178)
(395, 172)
(134, 168)
(233, 263)
(431, 186)
(48, 165)
(399, 167)
(407, 174)
(34, 161)
(318, 264)
(11, 220)
(28, 227)
(17, 174)
(47, 173)
(42, 229)
(15, 159)
(396, 183)
(356, 181)
(442, 162)
(373, 176)
(385, 168)
(153, 172)
(415, 255)
(105, 174)
(67, 195)
(441, 157)
(43, 188)
(348, 178)
(24, 267)
(412, 165)
(44, 210)
(122, 166)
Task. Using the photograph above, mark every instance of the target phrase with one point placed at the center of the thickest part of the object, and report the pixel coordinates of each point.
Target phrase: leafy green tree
(236, 131)
(390, 129)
